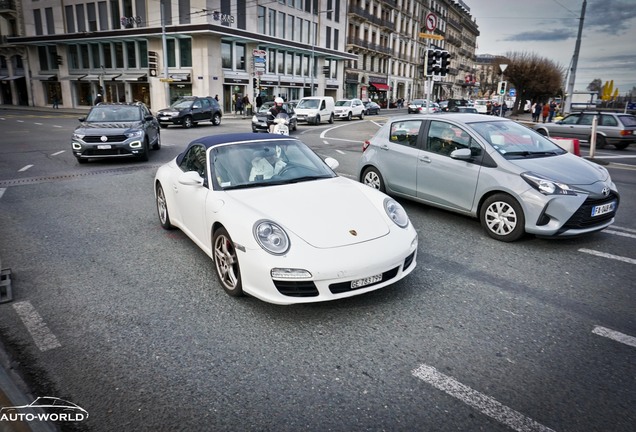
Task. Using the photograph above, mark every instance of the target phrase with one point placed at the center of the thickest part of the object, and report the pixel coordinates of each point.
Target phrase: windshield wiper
(531, 154)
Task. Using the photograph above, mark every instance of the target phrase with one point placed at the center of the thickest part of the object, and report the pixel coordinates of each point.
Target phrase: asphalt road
(127, 320)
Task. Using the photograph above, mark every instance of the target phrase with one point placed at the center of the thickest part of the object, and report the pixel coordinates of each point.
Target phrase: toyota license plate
(366, 281)
(603, 209)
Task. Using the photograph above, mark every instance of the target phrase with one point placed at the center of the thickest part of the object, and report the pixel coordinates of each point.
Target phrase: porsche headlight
(396, 212)
(271, 237)
(546, 186)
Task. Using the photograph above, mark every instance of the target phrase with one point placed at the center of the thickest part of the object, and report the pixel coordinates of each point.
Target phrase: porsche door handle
(425, 159)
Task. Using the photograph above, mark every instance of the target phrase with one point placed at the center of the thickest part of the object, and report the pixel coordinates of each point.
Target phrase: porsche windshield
(265, 163)
(513, 140)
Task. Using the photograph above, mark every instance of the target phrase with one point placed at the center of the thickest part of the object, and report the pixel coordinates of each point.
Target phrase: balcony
(368, 45)
(8, 7)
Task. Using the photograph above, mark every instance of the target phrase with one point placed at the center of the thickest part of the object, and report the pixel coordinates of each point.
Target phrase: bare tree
(595, 85)
(534, 78)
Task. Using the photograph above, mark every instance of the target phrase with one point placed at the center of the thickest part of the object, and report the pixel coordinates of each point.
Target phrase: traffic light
(445, 63)
(501, 89)
(433, 57)
(255, 82)
(152, 63)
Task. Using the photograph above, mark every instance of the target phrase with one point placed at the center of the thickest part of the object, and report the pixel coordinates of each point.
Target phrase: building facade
(390, 39)
(156, 51)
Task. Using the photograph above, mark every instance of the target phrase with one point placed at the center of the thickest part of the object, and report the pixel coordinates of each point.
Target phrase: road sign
(431, 21)
(431, 36)
(512, 92)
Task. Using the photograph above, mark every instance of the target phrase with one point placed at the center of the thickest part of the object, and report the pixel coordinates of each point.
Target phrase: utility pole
(575, 59)
(166, 84)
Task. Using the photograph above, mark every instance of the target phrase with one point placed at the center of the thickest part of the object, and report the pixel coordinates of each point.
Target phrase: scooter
(281, 124)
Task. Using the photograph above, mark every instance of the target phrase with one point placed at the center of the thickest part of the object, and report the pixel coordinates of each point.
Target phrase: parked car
(617, 129)
(514, 180)
(115, 131)
(346, 109)
(419, 106)
(371, 108)
(268, 212)
(259, 119)
(190, 110)
(464, 109)
(451, 104)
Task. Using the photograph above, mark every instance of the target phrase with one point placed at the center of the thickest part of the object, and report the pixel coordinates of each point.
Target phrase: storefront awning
(180, 76)
(379, 86)
(72, 77)
(90, 78)
(133, 77)
(110, 77)
(44, 77)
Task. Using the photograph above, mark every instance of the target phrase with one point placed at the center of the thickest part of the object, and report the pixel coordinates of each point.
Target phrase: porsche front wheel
(162, 209)
(226, 263)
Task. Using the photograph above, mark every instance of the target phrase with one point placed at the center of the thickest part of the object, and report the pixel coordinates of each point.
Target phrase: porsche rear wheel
(226, 263)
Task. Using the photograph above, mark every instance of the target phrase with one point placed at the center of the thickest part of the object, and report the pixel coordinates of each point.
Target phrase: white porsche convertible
(278, 222)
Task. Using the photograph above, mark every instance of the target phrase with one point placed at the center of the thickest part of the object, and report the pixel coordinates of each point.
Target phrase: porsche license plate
(366, 281)
(104, 147)
(604, 208)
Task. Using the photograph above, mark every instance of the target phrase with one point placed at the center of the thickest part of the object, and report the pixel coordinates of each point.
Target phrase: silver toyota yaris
(513, 179)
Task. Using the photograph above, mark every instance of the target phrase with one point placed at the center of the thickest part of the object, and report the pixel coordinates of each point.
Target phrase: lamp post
(314, 30)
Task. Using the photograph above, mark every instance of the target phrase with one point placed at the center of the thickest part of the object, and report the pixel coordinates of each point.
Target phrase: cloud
(610, 16)
(543, 35)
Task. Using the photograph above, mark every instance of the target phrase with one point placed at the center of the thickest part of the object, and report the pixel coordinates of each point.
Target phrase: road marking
(42, 336)
(340, 151)
(624, 229)
(2, 191)
(614, 335)
(24, 168)
(39, 124)
(619, 233)
(57, 153)
(606, 255)
(479, 401)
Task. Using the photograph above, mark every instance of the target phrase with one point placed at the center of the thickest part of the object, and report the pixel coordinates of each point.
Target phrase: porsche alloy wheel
(226, 263)
(502, 218)
(162, 209)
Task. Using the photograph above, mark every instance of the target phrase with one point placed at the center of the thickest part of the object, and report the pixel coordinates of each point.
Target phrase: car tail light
(365, 145)
(624, 132)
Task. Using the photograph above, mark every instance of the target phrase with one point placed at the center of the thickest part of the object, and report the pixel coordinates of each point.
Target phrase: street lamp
(313, 46)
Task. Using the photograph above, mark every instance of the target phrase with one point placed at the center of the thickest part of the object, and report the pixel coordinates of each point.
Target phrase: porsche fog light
(289, 273)
(396, 212)
(271, 237)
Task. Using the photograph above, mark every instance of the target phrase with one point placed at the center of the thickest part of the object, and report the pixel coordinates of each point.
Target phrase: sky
(549, 29)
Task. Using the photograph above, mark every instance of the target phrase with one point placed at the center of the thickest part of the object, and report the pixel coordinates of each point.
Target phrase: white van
(315, 109)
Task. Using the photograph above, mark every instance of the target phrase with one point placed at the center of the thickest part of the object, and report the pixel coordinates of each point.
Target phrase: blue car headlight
(396, 212)
(547, 186)
(271, 237)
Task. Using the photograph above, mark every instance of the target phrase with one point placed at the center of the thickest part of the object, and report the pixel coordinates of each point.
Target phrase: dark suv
(116, 130)
(187, 111)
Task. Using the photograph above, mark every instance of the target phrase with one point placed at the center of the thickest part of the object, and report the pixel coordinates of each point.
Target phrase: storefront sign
(225, 19)
(129, 22)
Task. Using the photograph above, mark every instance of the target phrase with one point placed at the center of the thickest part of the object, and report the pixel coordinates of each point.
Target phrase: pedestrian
(239, 105)
(56, 101)
(98, 99)
(552, 111)
(259, 102)
(488, 108)
(545, 111)
(536, 112)
(216, 97)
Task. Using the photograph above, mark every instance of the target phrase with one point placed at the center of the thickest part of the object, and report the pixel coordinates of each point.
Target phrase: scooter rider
(273, 112)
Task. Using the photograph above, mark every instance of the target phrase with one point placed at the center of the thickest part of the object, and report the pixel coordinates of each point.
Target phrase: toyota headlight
(396, 212)
(271, 237)
(547, 186)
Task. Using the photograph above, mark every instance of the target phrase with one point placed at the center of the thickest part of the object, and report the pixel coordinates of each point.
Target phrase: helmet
(278, 101)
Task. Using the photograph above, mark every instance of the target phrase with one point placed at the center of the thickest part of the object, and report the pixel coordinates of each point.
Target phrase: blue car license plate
(603, 208)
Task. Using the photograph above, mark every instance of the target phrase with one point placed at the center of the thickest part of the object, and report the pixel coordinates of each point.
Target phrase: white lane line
(2, 191)
(58, 153)
(614, 335)
(606, 255)
(619, 233)
(624, 229)
(479, 401)
(39, 124)
(340, 151)
(24, 168)
(57, 126)
(42, 336)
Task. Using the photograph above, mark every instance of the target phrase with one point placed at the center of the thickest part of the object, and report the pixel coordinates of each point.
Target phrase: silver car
(613, 128)
(513, 179)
